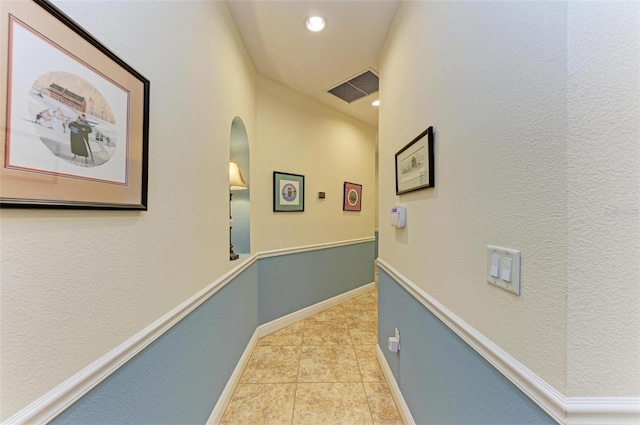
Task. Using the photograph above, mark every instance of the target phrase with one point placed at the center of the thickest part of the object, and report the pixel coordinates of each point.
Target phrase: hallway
(321, 370)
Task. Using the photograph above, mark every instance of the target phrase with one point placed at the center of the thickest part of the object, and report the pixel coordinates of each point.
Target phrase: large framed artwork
(288, 192)
(352, 197)
(415, 164)
(74, 127)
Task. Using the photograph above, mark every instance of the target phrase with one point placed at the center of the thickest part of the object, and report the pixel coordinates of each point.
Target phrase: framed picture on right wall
(415, 164)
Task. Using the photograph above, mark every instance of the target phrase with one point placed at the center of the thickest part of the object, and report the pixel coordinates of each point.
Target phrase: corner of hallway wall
(604, 199)
(76, 284)
(299, 135)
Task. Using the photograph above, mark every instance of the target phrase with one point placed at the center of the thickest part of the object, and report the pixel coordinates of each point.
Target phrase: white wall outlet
(397, 334)
(503, 268)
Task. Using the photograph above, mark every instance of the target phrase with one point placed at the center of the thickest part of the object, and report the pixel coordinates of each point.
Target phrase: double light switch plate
(503, 268)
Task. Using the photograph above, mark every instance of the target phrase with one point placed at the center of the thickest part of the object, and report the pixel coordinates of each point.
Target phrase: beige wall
(524, 159)
(603, 187)
(525, 122)
(301, 136)
(75, 284)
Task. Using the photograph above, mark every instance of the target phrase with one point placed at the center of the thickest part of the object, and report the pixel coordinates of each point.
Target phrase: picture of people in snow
(65, 117)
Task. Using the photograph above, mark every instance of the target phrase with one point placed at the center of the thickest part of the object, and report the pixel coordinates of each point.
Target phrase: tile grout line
(295, 394)
(364, 390)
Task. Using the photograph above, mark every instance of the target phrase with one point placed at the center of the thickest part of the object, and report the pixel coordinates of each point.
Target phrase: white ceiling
(282, 49)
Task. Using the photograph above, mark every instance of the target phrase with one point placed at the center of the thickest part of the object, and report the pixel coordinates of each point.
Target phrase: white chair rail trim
(53, 403)
(603, 410)
(287, 251)
(574, 410)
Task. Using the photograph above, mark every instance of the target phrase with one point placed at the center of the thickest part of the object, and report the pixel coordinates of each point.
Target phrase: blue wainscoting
(292, 282)
(442, 379)
(179, 377)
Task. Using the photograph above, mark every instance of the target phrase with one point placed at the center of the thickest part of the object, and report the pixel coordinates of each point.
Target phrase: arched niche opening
(240, 203)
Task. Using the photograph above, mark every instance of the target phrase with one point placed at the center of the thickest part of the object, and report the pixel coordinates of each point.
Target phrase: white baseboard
(564, 410)
(296, 316)
(227, 392)
(403, 409)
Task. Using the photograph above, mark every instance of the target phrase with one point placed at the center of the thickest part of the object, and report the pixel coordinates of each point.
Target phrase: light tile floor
(319, 371)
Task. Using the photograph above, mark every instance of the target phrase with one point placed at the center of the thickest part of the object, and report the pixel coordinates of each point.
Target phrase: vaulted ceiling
(282, 48)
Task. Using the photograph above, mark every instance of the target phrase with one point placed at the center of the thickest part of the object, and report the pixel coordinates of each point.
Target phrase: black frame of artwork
(407, 178)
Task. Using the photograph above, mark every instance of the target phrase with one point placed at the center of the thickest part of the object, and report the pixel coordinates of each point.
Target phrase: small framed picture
(352, 197)
(288, 192)
(415, 164)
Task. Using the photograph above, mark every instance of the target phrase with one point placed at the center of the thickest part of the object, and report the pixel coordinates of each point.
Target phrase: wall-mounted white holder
(393, 344)
(503, 268)
(398, 216)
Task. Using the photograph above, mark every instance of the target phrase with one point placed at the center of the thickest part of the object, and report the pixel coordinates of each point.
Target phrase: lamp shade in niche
(236, 182)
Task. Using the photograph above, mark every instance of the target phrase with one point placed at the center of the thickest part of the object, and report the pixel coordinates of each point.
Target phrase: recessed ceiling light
(375, 103)
(316, 23)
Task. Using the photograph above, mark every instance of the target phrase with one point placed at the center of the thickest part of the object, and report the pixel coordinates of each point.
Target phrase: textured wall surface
(442, 379)
(292, 282)
(490, 77)
(179, 377)
(301, 136)
(76, 284)
(604, 199)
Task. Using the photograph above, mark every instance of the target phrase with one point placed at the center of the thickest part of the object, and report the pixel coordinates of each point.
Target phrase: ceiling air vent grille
(359, 86)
